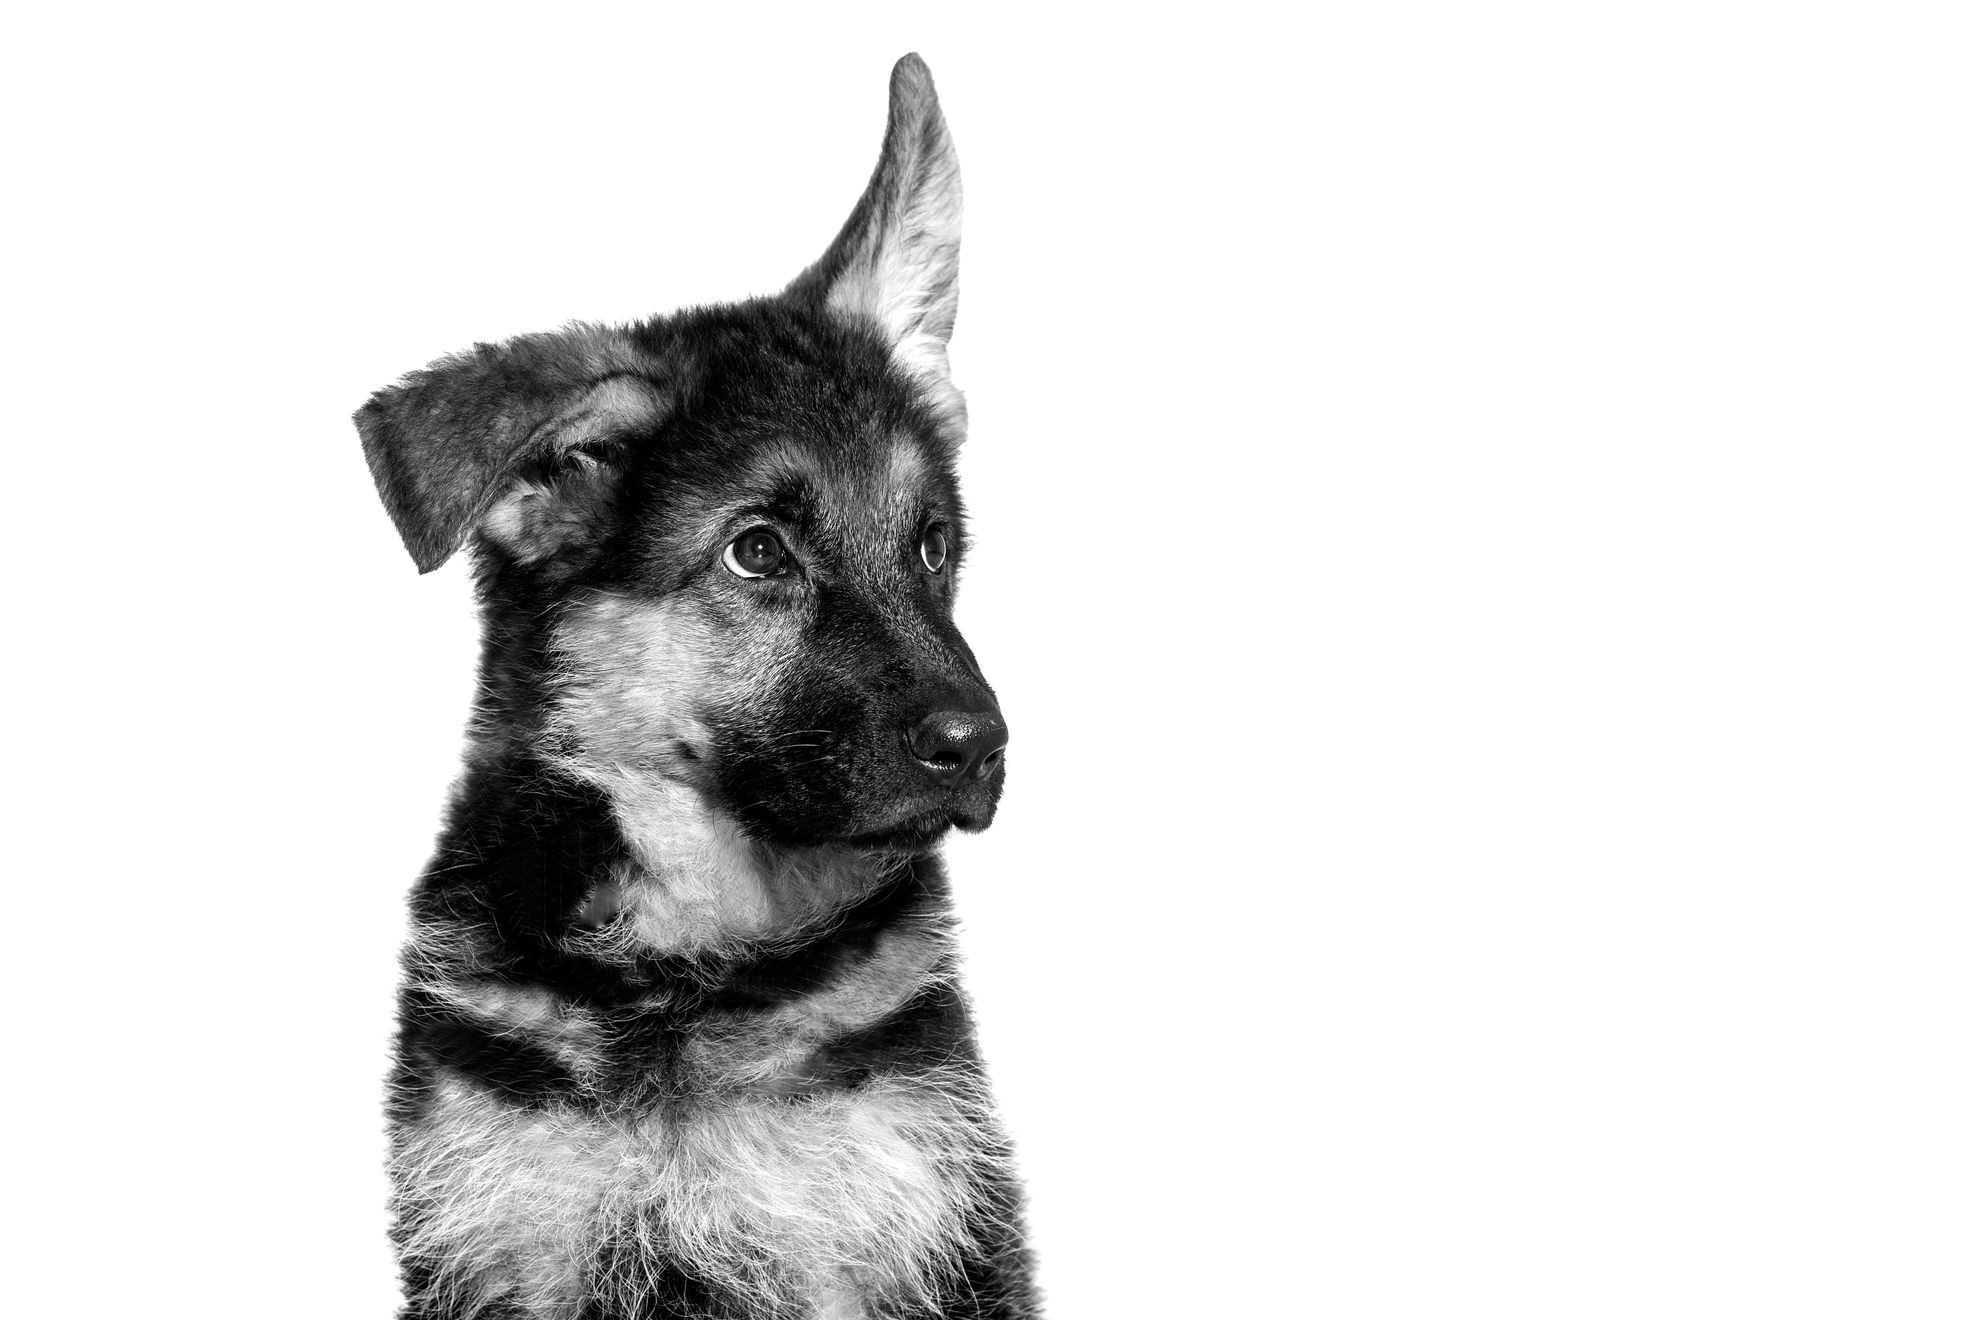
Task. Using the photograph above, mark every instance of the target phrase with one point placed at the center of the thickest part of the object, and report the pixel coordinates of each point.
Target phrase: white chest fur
(803, 1206)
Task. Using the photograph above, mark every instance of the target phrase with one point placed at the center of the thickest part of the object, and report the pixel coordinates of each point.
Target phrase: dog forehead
(823, 485)
(884, 478)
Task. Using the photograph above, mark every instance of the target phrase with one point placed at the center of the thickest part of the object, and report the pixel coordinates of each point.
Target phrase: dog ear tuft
(896, 259)
(451, 446)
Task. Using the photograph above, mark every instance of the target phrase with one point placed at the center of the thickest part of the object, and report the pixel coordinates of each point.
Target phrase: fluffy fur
(853, 1199)
(680, 1033)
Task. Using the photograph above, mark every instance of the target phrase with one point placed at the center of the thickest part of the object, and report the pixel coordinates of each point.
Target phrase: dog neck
(690, 884)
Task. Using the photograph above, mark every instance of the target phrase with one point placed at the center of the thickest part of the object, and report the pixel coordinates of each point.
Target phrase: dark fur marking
(445, 1036)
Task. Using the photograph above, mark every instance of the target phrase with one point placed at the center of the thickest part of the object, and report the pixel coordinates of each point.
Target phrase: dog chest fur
(752, 1167)
(791, 1207)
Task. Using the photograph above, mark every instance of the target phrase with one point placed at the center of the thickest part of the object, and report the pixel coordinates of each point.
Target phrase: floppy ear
(512, 436)
(895, 261)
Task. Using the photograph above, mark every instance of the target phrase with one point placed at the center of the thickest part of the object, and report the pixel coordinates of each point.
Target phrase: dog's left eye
(756, 553)
(934, 548)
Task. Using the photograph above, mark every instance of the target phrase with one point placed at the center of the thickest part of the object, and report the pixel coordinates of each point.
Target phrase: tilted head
(717, 551)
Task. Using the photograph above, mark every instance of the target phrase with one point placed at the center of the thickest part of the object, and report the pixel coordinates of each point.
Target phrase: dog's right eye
(756, 553)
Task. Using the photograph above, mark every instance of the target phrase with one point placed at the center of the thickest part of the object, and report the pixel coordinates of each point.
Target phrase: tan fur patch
(635, 674)
(906, 474)
(626, 719)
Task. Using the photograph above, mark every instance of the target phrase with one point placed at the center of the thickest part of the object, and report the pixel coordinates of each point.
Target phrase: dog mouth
(913, 834)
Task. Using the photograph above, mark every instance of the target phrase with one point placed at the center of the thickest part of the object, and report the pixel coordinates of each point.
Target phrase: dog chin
(919, 833)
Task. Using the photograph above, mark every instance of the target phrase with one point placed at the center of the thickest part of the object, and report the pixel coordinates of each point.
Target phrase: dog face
(717, 552)
(780, 575)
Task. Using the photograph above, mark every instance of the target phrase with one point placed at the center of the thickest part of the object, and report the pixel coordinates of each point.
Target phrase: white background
(1476, 517)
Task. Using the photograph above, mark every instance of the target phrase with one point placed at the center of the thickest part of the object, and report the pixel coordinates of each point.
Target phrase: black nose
(954, 745)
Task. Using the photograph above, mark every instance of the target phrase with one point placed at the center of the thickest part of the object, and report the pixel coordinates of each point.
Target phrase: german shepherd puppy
(680, 1033)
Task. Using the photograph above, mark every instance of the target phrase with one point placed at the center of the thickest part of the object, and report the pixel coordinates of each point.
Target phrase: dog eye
(756, 553)
(934, 548)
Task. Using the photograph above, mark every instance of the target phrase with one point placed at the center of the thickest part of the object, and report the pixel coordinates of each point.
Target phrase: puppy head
(719, 549)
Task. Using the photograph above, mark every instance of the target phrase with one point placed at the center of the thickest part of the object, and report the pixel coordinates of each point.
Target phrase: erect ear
(508, 436)
(895, 260)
